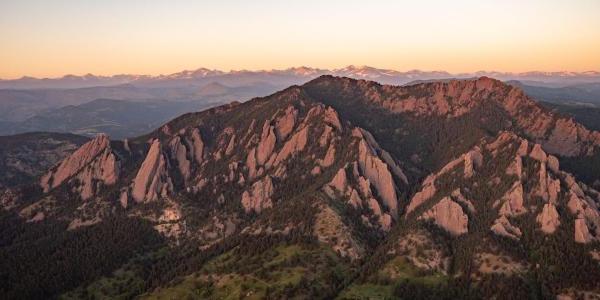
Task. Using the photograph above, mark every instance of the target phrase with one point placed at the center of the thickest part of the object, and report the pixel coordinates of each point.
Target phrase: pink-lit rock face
(582, 233)
(538, 153)
(512, 201)
(152, 180)
(285, 124)
(548, 218)
(448, 215)
(75, 162)
(339, 181)
(259, 196)
(420, 197)
(266, 145)
(329, 158)
(197, 145)
(503, 227)
(331, 118)
(379, 176)
(294, 145)
(93, 161)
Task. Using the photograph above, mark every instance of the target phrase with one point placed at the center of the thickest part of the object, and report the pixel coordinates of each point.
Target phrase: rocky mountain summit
(449, 188)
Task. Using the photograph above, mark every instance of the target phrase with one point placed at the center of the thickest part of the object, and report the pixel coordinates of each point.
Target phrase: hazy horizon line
(231, 71)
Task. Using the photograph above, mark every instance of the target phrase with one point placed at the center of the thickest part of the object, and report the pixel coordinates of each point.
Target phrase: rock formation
(259, 196)
(448, 215)
(503, 227)
(548, 218)
(152, 180)
(92, 162)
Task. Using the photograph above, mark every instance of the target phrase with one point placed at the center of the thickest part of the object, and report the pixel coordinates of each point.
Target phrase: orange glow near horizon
(54, 38)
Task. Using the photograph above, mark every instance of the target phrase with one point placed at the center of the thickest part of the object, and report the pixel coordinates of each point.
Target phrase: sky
(45, 38)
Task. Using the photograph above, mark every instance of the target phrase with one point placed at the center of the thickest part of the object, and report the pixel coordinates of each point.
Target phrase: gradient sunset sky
(51, 38)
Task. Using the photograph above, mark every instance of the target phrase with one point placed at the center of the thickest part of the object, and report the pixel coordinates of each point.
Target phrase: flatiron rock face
(93, 161)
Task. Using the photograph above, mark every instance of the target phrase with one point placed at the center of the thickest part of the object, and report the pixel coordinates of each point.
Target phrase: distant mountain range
(91, 104)
(296, 75)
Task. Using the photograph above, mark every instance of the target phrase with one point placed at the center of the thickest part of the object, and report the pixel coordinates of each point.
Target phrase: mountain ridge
(389, 183)
(360, 72)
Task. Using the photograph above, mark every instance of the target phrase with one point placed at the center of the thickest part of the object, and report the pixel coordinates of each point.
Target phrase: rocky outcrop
(331, 118)
(180, 154)
(516, 167)
(329, 157)
(538, 153)
(266, 145)
(582, 232)
(448, 215)
(197, 145)
(427, 191)
(152, 180)
(503, 227)
(379, 175)
(384, 155)
(458, 197)
(471, 160)
(512, 201)
(587, 223)
(93, 162)
(339, 181)
(294, 145)
(548, 218)
(285, 124)
(258, 197)
(553, 163)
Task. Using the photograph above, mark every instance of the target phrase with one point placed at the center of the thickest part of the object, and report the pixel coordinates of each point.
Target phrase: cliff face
(152, 180)
(91, 163)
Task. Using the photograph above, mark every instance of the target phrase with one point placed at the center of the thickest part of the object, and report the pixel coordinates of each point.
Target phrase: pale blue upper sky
(52, 38)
